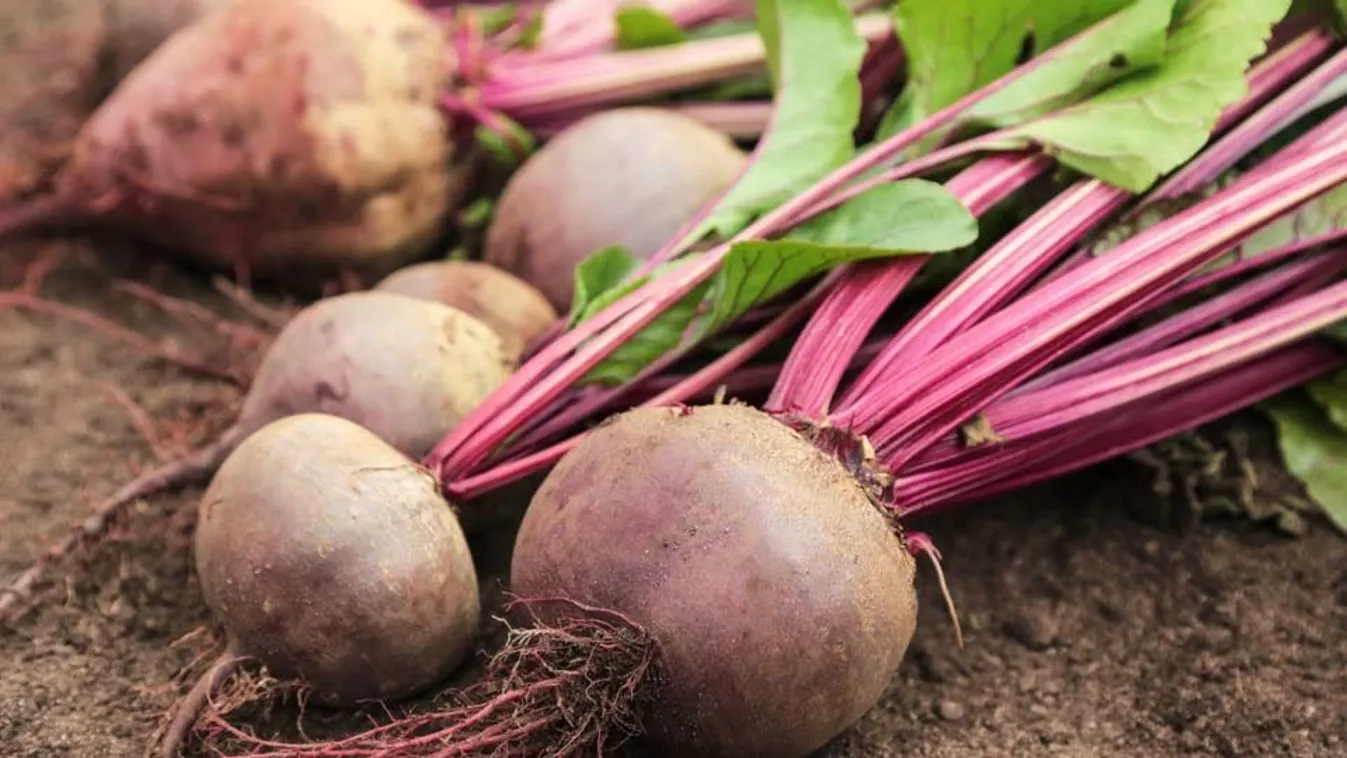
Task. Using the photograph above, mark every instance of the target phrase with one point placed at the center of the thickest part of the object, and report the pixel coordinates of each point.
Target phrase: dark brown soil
(1089, 633)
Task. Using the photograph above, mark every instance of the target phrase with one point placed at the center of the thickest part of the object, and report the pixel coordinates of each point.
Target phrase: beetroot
(707, 576)
(274, 136)
(330, 557)
(517, 312)
(630, 176)
(405, 369)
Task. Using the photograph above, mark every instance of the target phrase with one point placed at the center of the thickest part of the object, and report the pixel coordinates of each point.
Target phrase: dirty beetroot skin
(780, 599)
(330, 558)
(276, 138)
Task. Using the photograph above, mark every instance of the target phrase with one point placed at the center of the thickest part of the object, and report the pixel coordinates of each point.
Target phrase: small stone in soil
(1034, 626)
(950, 710)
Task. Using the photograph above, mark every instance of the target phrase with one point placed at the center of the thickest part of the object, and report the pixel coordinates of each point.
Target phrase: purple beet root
(276, 138)
(629, 176)
(707, 580)
(331, 558)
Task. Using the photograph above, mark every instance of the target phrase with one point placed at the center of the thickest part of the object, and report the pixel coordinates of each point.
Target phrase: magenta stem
(1192, 320)
(550, 372)
(1267, 77)
(1024, 462)
(1103, 391)
(1284, 109)
(994, 278)
(994, 356)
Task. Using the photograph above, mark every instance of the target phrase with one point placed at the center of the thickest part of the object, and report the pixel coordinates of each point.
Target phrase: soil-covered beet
(406, 369)
(1089, 632)
(58, 60)
(779, 597)
(274, 138)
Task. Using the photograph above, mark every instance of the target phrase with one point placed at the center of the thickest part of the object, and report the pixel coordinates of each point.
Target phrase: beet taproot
(629, 176)
(707, 580)
(272, 137)
(331, 558)
(509, 305)
(403, 368)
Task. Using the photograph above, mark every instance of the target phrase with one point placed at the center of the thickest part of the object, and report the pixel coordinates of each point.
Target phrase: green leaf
(1129, 41)
(913, 215)
(1341, 7)
(889, 220)
(955, 47)
(1330, 392)
(1314, 451)
(597, 278)
(894, 219)
(1151, 123)
(814, 56)
(640, 26)
(649, 344)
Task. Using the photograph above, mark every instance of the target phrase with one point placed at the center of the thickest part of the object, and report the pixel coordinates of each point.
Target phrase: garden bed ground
(1090, 633)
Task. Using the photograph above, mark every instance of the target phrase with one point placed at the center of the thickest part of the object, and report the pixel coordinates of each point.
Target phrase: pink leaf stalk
(992, 357)
(835, 332)
(548, 373)
(1065, 449)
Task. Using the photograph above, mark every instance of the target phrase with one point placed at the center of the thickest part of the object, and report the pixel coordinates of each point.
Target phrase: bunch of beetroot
(719, 580)
(722, 580)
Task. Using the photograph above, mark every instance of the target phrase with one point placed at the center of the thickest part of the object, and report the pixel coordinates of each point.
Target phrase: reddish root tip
(918, 544)
(571, 687)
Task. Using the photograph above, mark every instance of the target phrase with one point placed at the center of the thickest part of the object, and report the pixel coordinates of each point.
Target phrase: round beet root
(629, 176)
(406, 369)
(516, 311)
(707, 579)
(331, 558)
(779, 597)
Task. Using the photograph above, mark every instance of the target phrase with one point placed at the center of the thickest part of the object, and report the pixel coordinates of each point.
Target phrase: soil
(1090, 632)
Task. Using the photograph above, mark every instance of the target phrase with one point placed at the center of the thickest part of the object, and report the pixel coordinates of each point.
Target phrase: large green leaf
(1152, 122)
(600, 280)
(906, 217)
(1129, 41)
(955, 47)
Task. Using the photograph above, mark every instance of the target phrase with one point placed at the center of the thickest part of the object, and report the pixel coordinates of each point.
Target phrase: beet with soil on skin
(276, 137)
(516, 311)
(330, 557)
(58, 60)
(629, 176)
(406, 369)
(706, 580)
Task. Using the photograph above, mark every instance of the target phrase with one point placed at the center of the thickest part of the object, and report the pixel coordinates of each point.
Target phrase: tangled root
(568, 687)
